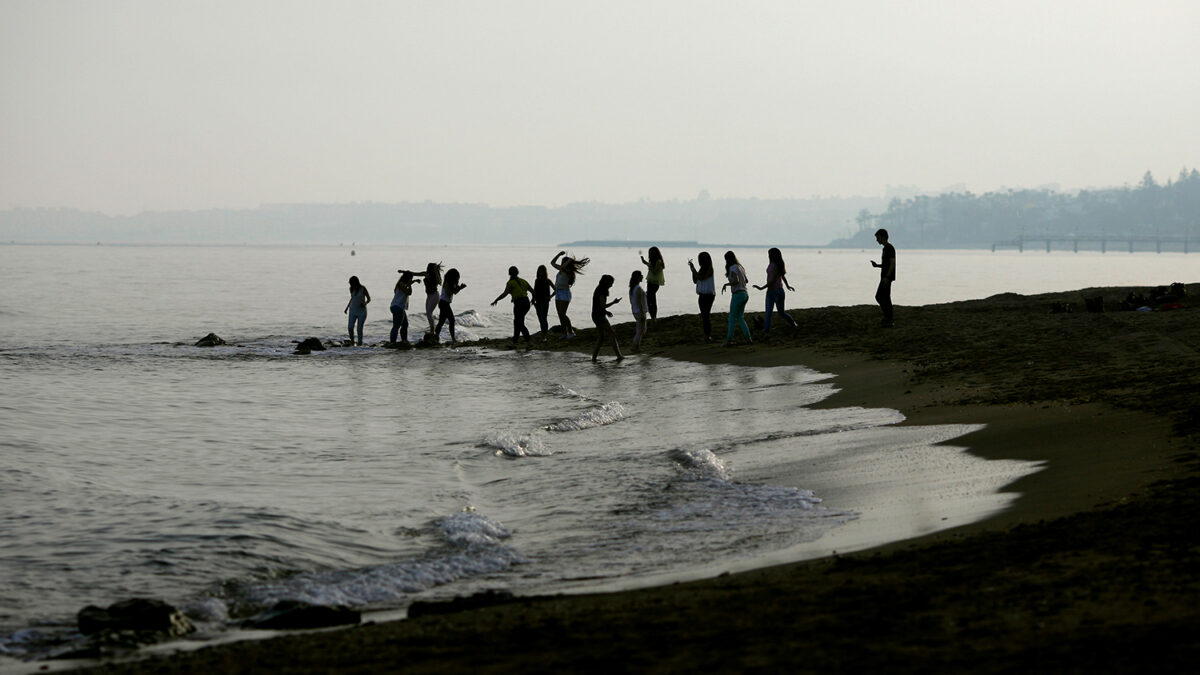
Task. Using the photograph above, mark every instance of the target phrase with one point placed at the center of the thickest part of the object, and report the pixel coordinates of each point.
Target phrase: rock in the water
(294, 615)
(138, 614)
(309, 345)
(210, 340)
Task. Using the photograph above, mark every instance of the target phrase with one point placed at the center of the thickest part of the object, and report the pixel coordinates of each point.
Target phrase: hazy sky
(130, 106)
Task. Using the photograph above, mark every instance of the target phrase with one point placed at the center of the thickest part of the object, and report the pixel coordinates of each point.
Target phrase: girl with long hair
(776, 281)
(706, 290)
(654, 279)
(450, 287)
(543, 293)
(433, 279)
(356, 309)
(567, 272)
(637, 305)
(737, 301)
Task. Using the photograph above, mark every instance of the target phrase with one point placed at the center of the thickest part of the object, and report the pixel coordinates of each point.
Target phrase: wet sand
(1095, 566)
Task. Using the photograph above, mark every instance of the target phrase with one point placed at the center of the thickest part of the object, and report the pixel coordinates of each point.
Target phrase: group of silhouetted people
(643, 302)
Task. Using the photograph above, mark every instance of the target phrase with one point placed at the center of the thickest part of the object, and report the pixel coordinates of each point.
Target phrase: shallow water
(224, 479)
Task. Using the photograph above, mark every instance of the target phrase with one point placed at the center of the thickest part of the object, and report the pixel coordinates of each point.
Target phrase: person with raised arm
(568, 270)
(654, 279)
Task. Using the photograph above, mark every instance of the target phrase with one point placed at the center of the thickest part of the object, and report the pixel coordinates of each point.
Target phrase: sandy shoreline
(1095, 566)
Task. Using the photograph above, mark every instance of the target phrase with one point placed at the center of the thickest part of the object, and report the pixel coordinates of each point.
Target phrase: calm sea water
(225, 479)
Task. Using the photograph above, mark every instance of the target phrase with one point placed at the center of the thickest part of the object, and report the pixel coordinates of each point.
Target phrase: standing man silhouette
(887, 274)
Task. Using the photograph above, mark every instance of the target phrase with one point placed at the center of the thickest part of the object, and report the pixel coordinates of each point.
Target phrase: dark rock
(210, 340)
(429, 341)
(459, 604)
(295, 615)
(138, 614)
(402, 346)
(309, 345)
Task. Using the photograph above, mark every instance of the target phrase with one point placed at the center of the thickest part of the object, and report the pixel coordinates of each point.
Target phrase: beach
(1095, 565)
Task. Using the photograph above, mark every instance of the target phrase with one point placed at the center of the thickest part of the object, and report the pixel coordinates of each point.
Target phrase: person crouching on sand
(637, 304)
(737, 302)
(356, 309)
(600, 315)
(567, 271)
(450, 287)
(519, 289)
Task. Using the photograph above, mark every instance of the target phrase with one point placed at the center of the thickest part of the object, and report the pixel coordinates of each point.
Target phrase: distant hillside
(1149, 211)
(782, 221)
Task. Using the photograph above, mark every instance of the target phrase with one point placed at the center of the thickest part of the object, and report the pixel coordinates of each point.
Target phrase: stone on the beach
(296, 615)
(210, 340)
(460, 603)
(309, 345)
(402, 345)
(137, 614)
(429, 341)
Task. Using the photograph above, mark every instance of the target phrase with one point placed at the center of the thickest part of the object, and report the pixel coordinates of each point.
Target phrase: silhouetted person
(450, 288)
(739, 296)
(655, 279)
(887, 274)
(563, 281)
(776, 281)
(706, 290)
(600, 316)
(356, 309)
(519, 290)
(543, 293)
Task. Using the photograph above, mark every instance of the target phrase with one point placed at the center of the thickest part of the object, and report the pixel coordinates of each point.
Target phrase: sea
(225, 479)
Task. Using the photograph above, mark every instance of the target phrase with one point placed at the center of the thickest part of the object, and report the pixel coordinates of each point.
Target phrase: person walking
(738, 298)
(600, 316)
(776, 281)
(706, 291)
(887, 274)
(519, 290)
(450, 288)
(356, 309)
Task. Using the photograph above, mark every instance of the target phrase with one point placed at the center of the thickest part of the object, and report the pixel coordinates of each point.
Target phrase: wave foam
(472, 545)
(515, 444)
(613, 411)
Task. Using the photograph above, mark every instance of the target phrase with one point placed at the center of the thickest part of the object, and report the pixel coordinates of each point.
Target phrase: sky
(128, 106)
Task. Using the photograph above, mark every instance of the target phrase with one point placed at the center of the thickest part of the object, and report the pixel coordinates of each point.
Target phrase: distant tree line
(966, 220)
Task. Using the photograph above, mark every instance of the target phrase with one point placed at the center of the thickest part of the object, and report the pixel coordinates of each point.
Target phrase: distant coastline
(632, 243)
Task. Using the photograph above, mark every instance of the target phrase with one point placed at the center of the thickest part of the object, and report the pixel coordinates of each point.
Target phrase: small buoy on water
(351, 251)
